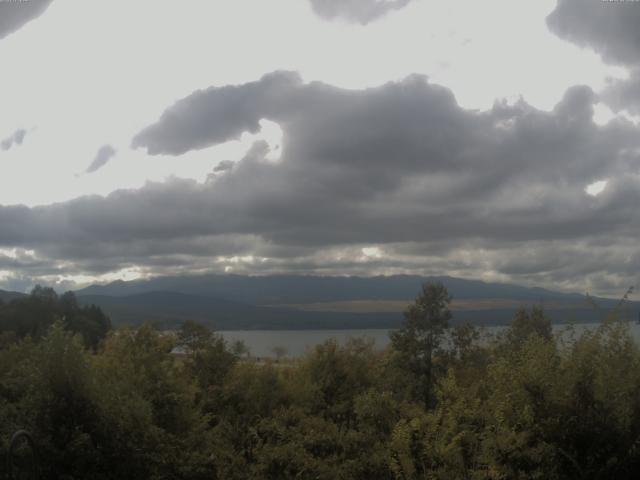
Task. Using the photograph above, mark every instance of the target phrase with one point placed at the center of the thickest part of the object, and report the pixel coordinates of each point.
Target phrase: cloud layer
(16, 138)
(15, 14)
(103, 155)
(356, 11)
(399, 170)
(612, 29)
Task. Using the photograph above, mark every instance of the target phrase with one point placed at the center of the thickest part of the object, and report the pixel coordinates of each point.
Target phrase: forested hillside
(144, 404)
(32, 316)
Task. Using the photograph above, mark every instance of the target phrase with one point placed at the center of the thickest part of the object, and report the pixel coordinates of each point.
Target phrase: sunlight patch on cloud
(9, 252)
(635, 119)
(126, 274)
(596, 188)
(76, 279)
(239, 263)
(505, 124)
(271, 133)
(18, 253)
(372, 252)
(602, 114)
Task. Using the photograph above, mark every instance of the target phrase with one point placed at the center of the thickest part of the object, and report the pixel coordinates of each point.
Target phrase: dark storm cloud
(612, 29)
(624, 94)
(191, 123)
(104, 154)
(224, 166)
(16, 138)
(15, 13)
(357, 11)
(401, 166)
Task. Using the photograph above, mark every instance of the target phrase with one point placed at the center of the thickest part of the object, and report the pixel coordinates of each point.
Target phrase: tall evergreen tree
(421, 336)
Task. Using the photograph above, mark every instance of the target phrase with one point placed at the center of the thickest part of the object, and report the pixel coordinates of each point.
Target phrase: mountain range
(230, 302)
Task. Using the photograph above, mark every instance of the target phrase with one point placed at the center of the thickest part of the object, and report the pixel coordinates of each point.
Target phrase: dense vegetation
(33, 315)
(439, 403)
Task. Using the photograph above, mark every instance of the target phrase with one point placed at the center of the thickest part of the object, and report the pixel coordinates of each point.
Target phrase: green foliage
(421, 336)
(157, 405)
(337, 375)
(527, 323)
(207, 360)
(35, 314)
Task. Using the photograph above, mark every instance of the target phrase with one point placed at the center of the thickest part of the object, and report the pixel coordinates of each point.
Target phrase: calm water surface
(296, 342)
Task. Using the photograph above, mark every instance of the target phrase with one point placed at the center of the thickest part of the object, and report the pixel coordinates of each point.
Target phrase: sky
(492, 140)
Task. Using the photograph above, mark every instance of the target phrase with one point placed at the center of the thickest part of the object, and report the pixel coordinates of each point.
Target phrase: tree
(89, 321)
(464, 340)
(44, 293)
(421, 335)
(35, 314)
(279, 351)
(194, 336)
(240, 349)
(526, 323)
(338, 374)
(207, 357)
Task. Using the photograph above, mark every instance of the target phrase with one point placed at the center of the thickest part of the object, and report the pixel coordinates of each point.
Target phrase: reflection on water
(262, 343)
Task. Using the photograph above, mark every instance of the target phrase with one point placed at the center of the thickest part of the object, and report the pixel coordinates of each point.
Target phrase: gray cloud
(402, 167)
(15, 14)
(224, 166)
(357, 11)
(612, 30)
(624, 94)
(191, 123)
(104, 154)
(16, 138)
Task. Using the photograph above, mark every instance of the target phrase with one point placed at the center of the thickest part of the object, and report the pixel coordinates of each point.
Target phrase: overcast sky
(495, 140)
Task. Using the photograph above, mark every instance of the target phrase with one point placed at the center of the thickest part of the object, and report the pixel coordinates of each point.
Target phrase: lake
(296, 342)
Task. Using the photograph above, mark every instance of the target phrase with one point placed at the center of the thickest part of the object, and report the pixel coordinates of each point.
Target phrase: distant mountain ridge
(291, 289)
(169, 309)
(296, 301)
(6, 296)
